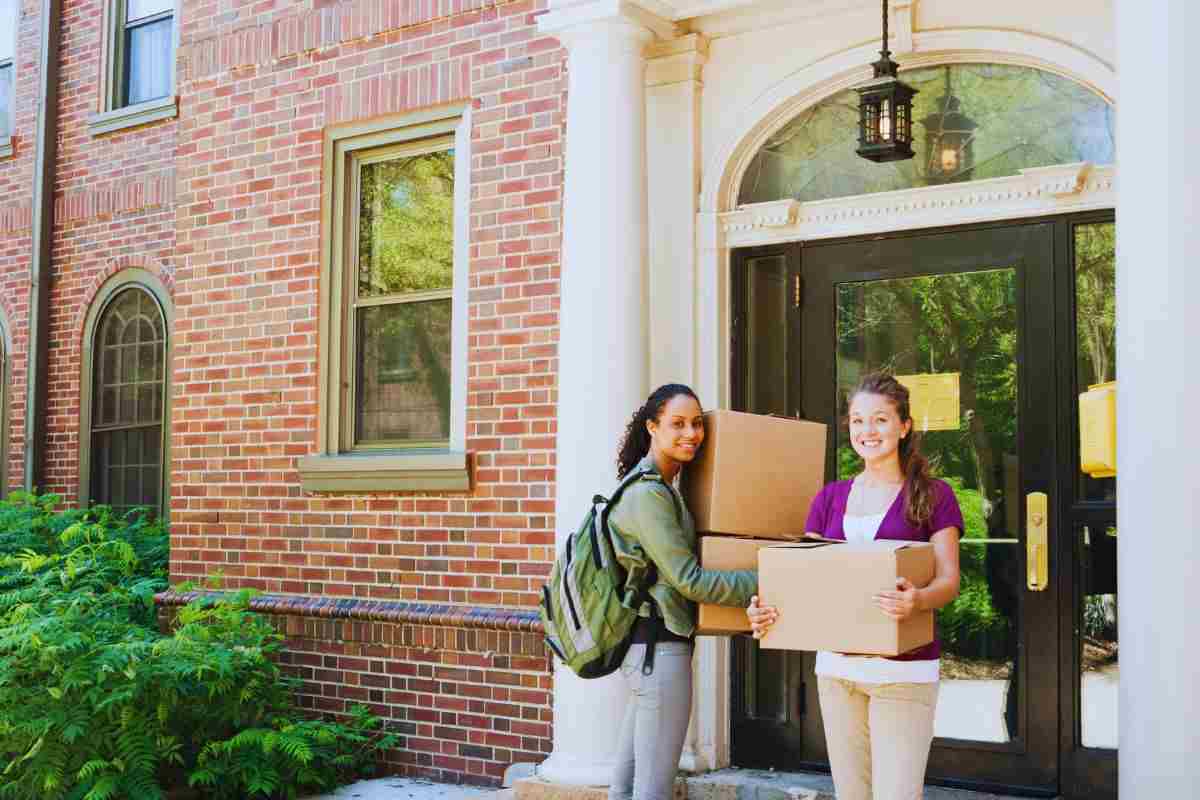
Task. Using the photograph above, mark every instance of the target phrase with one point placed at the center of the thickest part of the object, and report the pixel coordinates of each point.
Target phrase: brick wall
(16, 219)
(114, 208)
(465, 699)
(223, 204)
(258, 83)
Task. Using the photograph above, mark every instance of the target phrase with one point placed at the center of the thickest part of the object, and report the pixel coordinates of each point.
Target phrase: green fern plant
(95, 702)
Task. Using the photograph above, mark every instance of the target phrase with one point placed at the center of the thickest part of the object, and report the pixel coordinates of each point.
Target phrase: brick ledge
(439, 614)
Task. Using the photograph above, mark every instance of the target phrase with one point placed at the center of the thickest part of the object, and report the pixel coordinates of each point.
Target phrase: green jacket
(647, 529)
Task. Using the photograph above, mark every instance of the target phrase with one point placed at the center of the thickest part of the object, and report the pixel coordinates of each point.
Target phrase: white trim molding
(1035, 192)
(721, 225)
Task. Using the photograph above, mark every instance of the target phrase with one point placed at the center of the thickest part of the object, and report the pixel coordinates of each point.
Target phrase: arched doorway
(1012, 318)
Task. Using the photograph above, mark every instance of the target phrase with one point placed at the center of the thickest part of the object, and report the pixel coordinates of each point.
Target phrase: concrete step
(733, 784)
(754, 784)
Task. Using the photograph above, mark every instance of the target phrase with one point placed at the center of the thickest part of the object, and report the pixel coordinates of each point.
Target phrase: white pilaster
(602, 356)
(673, 89)
(1158, 369)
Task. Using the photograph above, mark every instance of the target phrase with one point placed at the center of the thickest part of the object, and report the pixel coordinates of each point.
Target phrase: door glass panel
(1095, 330)
(1095, 326)
(766, 329)
(962, 328)
(1098, 665)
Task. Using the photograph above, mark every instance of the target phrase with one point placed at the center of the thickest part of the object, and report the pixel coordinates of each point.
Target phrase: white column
(603, 346)
(1158, 369)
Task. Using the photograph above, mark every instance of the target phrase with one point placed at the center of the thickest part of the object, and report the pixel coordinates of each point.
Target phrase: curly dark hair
(636, 441)
(918, 482)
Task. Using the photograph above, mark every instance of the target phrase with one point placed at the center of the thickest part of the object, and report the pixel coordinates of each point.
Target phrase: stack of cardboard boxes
(749, 492)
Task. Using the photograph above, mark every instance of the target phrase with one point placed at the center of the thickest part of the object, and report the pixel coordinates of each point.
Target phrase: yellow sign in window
(933, 400)
(1098, 430)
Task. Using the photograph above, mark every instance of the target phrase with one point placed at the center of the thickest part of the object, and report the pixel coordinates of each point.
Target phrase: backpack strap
(652, 573)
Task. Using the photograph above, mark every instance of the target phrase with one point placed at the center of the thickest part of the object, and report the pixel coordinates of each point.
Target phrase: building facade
(361, 294)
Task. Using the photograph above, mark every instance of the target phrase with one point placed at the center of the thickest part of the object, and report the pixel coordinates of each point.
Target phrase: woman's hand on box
(761, 617)
(902, 603)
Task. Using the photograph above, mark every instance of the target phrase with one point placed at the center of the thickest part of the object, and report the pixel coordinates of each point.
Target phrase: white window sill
(6, 146)
(425, 470)
(131, 116)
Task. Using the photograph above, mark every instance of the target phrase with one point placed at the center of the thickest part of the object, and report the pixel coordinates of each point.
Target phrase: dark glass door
(976, 317)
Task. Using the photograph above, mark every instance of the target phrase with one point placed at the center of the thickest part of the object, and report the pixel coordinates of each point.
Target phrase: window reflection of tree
(964, 323)
(405, 254)
(1026, 118)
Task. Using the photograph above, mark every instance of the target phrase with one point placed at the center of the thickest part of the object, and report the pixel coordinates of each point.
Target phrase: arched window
(1001, 118)
(128, 401)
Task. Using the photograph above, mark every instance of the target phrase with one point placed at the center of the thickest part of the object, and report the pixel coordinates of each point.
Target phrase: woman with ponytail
(655, 540)
(878, 712)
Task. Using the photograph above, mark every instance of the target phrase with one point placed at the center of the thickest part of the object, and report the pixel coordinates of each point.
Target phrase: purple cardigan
(829, 509)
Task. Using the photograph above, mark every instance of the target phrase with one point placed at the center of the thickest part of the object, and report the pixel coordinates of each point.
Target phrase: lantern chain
(885, 52)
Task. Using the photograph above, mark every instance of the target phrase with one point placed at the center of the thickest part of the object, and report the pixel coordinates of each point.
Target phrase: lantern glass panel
(1025, 118)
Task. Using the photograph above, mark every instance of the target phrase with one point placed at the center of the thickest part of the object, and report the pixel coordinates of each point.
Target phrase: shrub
(96, 703)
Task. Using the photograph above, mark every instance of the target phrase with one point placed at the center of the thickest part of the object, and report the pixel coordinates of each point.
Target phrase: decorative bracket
(775, 214)
(1059, 181)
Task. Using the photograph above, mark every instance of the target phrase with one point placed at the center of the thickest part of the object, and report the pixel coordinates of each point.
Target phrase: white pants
(878, 737)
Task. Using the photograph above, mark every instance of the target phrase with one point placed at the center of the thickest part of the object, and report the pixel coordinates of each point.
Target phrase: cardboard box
(823, 591)
(727, 552)
(756, 475)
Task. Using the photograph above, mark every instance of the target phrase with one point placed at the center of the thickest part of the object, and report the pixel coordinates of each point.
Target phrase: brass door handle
(1037, 541)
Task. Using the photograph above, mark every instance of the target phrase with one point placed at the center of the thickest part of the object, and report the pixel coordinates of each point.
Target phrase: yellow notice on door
(933, 400)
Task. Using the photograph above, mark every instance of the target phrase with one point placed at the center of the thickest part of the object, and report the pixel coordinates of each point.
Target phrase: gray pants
(656, 721)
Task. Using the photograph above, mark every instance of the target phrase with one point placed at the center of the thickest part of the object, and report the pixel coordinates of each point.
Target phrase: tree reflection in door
(966, 324)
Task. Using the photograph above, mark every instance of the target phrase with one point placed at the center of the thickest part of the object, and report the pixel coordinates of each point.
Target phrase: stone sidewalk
(411, 789)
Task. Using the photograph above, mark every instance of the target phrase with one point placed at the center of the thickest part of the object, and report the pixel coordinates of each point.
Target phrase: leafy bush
(96, 703)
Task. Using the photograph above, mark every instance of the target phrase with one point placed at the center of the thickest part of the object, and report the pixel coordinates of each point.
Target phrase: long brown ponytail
(918, 483)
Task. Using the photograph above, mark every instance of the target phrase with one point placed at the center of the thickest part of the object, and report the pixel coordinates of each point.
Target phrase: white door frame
(721, 225)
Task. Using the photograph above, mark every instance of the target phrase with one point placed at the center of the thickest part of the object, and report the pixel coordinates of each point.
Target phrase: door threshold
(761, 784)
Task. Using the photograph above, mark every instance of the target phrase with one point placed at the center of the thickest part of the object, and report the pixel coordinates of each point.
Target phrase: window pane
(966, 325)
(1099, 663)
(404, 372)
(6, 100)
(969, 122)
(8, 29)
(128, 382)
(406, 225)
(148, 55)
(1096, 326)
(140, 9)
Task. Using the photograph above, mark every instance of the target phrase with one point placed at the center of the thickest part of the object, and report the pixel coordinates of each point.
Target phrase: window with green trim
(143, 50)
(128, 397)
(398, 283)
(9, 14)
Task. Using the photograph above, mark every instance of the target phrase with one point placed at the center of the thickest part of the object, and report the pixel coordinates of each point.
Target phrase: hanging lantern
(949, 140)
(885, 109)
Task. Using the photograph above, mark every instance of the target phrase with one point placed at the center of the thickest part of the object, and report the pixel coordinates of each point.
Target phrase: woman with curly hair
(653, 531)
(878, 712)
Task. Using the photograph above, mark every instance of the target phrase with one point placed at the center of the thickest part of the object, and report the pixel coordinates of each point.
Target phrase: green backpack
(586, 612)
